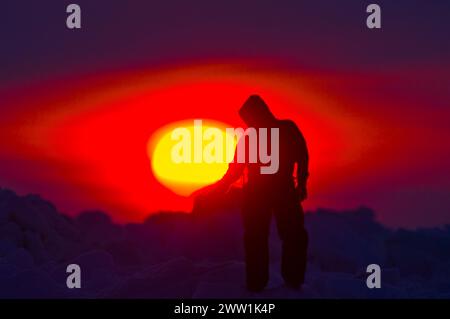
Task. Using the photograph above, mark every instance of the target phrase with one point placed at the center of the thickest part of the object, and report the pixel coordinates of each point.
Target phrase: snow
(178, 255)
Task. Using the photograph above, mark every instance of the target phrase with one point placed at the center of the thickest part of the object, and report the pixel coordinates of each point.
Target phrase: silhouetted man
(279, 193)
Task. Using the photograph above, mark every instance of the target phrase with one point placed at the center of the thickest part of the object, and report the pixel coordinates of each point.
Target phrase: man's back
(292, 149)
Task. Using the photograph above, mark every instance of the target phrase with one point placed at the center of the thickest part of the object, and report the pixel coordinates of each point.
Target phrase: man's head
(256, 113)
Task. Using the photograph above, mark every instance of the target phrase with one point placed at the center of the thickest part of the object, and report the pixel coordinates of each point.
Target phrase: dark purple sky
(314, 34)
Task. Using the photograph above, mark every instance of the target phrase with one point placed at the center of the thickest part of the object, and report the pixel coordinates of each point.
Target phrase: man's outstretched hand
(207, 198)
(210, 191)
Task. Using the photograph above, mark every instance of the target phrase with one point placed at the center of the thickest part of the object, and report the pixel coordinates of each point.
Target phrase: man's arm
(302, 159)
(234, 172)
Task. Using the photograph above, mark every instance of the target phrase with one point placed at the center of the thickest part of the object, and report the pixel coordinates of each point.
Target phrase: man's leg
(256, 217)
(290, 224)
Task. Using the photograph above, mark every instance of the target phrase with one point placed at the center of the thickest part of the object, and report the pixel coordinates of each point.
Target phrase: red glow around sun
(90, 137)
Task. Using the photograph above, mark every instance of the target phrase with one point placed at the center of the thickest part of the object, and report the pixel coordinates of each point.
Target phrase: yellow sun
(186, 156)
